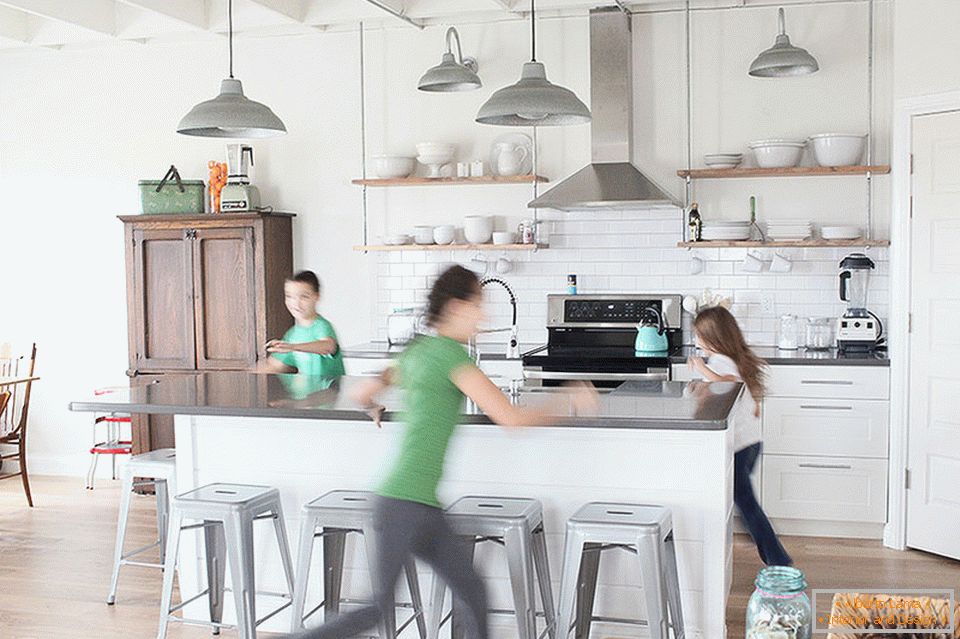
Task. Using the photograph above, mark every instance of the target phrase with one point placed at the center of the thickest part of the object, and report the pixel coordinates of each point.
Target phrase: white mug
(752, 263)
(780, 264)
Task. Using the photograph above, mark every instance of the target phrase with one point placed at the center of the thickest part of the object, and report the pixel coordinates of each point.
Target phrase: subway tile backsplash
(635, 251)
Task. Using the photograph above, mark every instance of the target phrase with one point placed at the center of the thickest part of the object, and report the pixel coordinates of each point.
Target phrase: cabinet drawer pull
(828, 466)
(819, 407)
(828, 382)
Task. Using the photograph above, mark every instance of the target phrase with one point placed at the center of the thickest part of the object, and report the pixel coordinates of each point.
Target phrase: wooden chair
(13, 416)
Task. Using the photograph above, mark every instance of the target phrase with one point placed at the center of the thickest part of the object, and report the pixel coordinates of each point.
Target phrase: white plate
(744, 235)
(520, 139)
(726, 223)
(722, 165)
(840, 232)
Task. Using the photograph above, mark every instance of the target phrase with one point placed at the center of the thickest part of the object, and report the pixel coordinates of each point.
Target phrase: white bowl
(477, 229)
(840, 232)
(436, 148)
(504, 237)
(444, 234)
(777, 154)
(393, 166)
(423, 234)
(397, 240)
(838, 149)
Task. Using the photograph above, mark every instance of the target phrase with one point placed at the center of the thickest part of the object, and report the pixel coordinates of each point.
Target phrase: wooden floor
(55, 564)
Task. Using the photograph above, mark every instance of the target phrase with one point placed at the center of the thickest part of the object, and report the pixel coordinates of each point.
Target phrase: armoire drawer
(828, 427)
(839, 382)
(825, 488)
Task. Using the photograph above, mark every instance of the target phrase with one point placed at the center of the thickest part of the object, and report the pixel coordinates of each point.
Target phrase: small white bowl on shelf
(722, 160)
(423, 235)
(477, 229)
(444, 234)
(778, 153)
(504, 237)
(840, 232)
(393, 166)
(838, 149)
(399, 239)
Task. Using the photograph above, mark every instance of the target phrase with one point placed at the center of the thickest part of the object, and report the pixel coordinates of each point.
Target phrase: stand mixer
(857, 329)
(238, 194)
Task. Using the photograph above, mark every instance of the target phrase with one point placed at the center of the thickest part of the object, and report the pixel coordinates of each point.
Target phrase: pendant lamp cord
(533, 32)
(230, 32)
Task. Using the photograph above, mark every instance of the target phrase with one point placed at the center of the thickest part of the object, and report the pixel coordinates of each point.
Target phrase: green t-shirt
(311, 363)
(433, 405)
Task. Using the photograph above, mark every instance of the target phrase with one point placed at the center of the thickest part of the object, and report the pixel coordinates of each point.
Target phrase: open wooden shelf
(792, 171)
(450, 247)
(426, 181)
(808, 243)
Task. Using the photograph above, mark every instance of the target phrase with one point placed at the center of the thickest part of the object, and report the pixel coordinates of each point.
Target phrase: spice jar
(779, 608)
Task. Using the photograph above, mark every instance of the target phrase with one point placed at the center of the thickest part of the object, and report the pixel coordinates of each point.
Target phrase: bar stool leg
(163, 508)
(126, 491)
(586, 589)
(334, 545)
(308, 528)
(283, 542)
(651, 574)
(517, 541)
(673, 587)
(569, 580)
(215, 544)
(413, 585)
(169, 568)
(435, 612)
(542, 566)
(239, 534)
(92, 470)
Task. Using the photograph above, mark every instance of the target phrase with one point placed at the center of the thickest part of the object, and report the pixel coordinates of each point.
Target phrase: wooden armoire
(204, 293)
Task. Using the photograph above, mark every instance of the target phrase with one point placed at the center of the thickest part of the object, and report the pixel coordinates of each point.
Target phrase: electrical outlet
(766, 303)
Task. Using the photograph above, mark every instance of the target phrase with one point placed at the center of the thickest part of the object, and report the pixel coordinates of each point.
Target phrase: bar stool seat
(517, 524)
(157, 468)
(332, 517)
(642, 529)
(226, 513)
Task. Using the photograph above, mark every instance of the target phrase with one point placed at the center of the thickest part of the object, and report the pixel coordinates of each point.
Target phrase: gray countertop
(771, 354)
(801, 357)
(636, 405)
(379, 350)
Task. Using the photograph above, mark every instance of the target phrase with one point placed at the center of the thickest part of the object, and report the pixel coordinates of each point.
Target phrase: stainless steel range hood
(610, 181)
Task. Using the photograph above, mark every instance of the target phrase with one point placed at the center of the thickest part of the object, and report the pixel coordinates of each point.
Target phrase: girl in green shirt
(435, 374)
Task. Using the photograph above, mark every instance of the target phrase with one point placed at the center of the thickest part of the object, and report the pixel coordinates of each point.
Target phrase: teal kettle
(651, 333)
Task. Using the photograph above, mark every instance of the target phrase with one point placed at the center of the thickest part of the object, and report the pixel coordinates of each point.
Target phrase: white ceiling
(82, 23)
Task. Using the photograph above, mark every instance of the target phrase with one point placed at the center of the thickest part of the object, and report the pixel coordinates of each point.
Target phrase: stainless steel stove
(591, 338)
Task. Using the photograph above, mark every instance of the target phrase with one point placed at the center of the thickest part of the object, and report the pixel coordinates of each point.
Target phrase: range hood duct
(610, 181)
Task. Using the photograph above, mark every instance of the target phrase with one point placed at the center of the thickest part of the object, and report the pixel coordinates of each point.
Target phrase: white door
(933, 499)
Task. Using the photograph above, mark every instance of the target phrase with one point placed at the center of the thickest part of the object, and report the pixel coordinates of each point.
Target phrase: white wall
(79, 127)
(926, 47)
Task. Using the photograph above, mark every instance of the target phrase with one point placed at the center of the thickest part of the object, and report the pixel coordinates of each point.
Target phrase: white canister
(463, 169)
(476, 168)
(527, 231)
(788, 337)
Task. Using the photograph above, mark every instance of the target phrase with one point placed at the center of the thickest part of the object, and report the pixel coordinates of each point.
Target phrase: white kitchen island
(657, 443)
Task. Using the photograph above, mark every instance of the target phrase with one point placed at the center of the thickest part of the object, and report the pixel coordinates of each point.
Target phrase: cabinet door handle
(819, 407)
(828, 382)
(828, 466)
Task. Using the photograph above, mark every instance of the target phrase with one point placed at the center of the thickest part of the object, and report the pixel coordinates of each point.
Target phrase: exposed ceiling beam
(289, 9)
(99, 16)
(189, 12)
(396, 12)
(13, 25)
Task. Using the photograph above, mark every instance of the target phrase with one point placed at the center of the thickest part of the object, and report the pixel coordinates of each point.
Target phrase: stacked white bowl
(838, 149)
(778, 153)
(789, 229)
(728, 230)
(722, 160)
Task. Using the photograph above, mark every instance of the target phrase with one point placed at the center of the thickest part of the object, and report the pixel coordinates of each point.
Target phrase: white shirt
(746, 426)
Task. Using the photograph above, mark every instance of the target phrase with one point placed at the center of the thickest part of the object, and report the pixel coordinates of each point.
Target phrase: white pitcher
(510, 158)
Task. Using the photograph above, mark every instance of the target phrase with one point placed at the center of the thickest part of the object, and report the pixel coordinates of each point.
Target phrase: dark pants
(407, 528)
(771, 552)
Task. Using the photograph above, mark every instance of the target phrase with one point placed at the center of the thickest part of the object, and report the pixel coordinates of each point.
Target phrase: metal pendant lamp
(453, 73)
(231, 114)
(783, 59)
(533, 100)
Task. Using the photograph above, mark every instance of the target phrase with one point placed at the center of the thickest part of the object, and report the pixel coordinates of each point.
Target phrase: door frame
(895, 532)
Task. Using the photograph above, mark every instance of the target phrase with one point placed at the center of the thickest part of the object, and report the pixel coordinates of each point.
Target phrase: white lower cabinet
(829, 427)
(839, 489)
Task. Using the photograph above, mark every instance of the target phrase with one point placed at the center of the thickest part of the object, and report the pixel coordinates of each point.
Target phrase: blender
(857, 329)
(238, 194)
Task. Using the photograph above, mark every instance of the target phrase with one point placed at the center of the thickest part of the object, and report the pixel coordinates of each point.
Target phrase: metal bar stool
(332, 517)
(643, 530)
(159, 469)
(517, 525)
(114, 443)
(227, 513)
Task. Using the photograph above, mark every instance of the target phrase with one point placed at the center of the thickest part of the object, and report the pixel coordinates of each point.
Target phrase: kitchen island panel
(689, 471)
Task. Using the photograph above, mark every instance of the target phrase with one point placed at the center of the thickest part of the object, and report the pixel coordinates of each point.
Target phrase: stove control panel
(607, 311)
